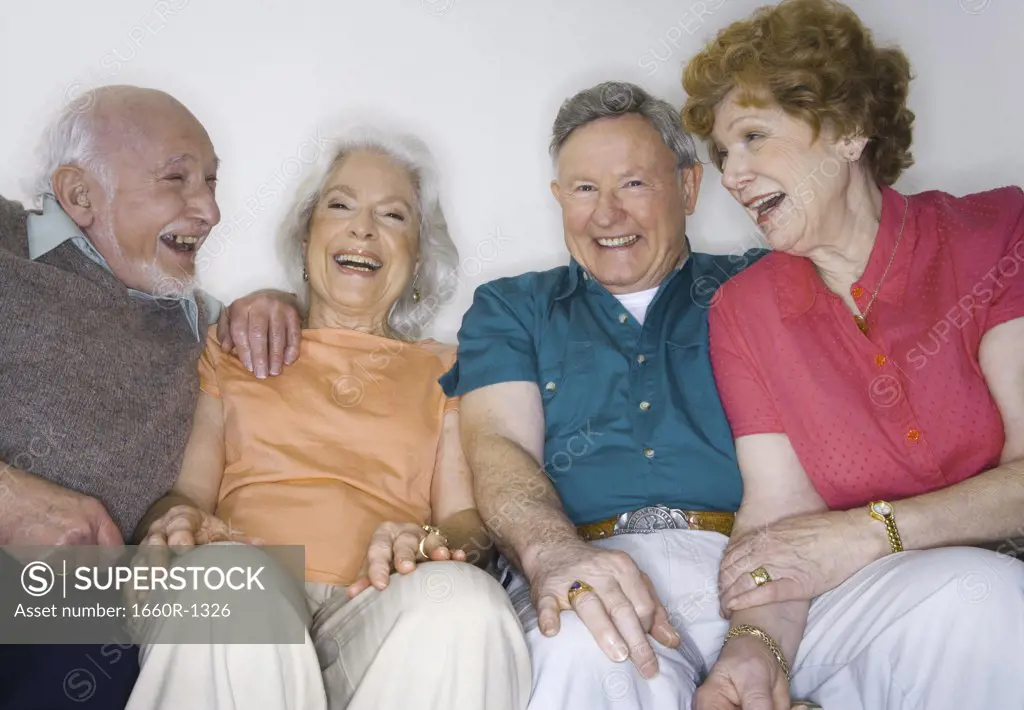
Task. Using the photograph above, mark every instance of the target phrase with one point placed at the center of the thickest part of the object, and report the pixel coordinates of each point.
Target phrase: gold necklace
(862, 319)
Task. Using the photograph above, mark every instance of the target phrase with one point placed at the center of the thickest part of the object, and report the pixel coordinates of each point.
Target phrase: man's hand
(620, 612)
(395, 546)
(42, 513)
(746, 677)
(263, 329)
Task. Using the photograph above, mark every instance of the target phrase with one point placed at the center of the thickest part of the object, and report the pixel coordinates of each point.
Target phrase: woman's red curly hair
(819, 63)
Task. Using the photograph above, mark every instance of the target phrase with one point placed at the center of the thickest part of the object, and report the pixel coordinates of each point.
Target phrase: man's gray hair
(616, 98)
(436, 279)
(70, 139)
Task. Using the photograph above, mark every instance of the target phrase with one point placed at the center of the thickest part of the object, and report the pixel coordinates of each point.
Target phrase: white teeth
(182, 239)
(760, 203)
(617, 241)
(359, 259)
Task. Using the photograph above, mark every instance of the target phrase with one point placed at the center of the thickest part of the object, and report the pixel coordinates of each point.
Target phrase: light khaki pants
(443, 637)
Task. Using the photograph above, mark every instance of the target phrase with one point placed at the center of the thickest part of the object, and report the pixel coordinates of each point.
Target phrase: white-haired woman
(353, 452)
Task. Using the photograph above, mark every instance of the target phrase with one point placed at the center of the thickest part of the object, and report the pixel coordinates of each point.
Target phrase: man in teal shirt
(603, 460)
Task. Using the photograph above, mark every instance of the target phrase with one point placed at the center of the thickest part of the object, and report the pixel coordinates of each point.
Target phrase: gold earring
(305, 274)
(415, 293)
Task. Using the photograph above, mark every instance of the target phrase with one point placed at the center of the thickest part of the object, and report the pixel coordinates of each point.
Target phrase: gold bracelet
(749, 630)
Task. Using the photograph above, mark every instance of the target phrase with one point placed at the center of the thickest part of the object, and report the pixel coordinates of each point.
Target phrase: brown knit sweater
(97, 389)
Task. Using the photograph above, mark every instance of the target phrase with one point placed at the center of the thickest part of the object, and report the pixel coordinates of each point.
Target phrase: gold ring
(431, 530)
(577, 588)
(761, 576)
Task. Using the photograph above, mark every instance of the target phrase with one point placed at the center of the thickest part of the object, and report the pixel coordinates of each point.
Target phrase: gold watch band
(765, 637)
(885, 512)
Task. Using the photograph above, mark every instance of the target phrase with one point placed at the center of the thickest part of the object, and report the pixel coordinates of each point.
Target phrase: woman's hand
(805, 556)
(185, 526)
(177, 531)
(746, 676)
(396, 547)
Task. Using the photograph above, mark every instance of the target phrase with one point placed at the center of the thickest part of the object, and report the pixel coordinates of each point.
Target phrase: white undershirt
(637, 303)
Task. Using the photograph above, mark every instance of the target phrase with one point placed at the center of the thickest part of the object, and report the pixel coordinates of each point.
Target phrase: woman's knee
(451, 591)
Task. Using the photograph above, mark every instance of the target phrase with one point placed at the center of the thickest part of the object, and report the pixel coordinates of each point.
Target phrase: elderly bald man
(103, 328)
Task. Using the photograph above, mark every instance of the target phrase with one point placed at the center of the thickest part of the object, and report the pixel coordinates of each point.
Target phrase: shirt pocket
(691, 382)
(567, 389)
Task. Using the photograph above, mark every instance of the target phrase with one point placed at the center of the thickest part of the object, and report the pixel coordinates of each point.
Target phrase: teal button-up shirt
(54, 226)
(631, 414)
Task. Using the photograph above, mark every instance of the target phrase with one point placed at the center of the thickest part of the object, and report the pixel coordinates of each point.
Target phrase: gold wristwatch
(883, 511)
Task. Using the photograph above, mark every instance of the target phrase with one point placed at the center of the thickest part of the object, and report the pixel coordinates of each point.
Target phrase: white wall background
(481, 81)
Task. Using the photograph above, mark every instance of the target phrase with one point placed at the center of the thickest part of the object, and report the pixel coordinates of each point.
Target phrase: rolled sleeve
(748, 404)
(1008, 300)
(495, 342)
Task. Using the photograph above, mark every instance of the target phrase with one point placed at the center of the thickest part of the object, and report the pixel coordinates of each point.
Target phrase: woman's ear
(851, 148)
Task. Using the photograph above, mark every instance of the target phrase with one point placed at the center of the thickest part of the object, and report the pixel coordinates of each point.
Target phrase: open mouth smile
(363, 263)
(182, 243)
(764, 205)
(618, 242)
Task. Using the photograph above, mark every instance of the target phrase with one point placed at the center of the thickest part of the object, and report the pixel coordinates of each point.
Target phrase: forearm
(465, 531)
(157, 511)
(519, 505)
(983, 509)
(783, 621)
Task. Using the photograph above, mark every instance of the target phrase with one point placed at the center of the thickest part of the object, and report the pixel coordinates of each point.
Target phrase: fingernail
(224, 344)
(275, 369)
(247, 361)
(619, 653)
(261, 372)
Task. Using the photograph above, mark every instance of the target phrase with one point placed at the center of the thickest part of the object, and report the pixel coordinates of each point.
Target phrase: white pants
(930, 630)
(444, 636)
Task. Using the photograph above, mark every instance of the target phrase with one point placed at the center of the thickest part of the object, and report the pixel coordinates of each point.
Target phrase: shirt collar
(577, 273)
(53, 227)
(797, 282)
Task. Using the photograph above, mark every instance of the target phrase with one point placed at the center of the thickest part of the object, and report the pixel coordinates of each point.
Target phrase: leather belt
(658, 517)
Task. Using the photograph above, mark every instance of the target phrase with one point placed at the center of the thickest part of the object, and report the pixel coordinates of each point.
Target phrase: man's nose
(609, 209)
(203, 206)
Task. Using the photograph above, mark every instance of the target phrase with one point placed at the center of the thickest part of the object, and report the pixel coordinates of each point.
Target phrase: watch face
(882, 508)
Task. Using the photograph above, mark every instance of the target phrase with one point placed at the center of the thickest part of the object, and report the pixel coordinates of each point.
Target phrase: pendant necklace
(862, 319)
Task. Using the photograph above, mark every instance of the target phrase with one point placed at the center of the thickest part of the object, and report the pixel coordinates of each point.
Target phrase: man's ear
(71, 188)
(556, 191)
(690, 179)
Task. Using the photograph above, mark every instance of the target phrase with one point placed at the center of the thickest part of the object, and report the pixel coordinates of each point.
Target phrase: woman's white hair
(435, 280)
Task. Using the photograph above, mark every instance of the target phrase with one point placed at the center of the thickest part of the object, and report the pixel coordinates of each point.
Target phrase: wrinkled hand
(746, 676)
(38, 512)
(395, 547)
(621, 611)
(184, 527)
(263, 329)
(805, 555)
(177, 531)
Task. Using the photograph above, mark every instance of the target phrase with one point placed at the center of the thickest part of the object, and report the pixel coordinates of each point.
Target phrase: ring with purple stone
(577, 588)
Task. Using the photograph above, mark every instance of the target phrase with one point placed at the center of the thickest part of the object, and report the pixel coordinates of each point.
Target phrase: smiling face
(153, 207)
(363, 244)
(624, 202)
(791, 183)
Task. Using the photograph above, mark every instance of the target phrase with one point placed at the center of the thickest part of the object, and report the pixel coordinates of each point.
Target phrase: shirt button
(856, 291)
(913, 435)
(550, 386)
(623, 318)
(649, 453)
(644, 406)
(880, 360)
(641, 359)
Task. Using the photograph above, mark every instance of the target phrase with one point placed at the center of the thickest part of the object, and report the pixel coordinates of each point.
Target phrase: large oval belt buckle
(653, 518)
